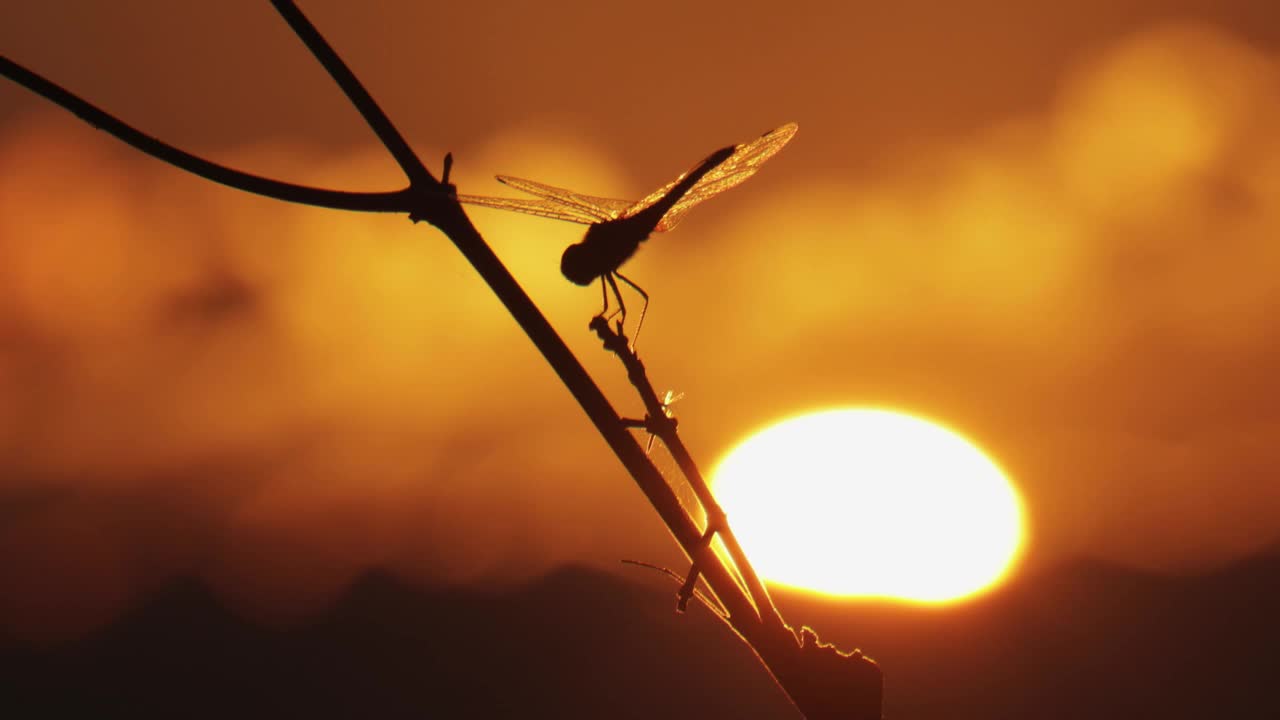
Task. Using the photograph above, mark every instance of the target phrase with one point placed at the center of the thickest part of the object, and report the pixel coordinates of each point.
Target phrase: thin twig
(664, 427)
(702, 597)
(397, 201)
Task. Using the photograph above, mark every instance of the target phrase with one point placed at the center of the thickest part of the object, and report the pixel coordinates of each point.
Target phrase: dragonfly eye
(576, 265)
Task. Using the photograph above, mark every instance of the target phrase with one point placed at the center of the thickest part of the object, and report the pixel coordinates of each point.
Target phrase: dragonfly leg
(643, 308)
(605, 282)
(622, 307)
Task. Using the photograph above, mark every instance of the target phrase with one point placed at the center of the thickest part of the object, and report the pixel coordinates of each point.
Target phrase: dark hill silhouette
(577, 643)
(1083, 640)
(1079, 641)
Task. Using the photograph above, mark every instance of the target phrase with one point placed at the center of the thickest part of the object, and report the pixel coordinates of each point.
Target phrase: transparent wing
(563, 204)
(742, 164)
(540, 207)
(602, 208)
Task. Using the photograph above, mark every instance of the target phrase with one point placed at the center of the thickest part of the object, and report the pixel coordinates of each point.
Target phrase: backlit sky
(1051, 228)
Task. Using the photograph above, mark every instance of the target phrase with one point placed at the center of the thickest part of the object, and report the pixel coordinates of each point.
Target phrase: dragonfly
(617, 227)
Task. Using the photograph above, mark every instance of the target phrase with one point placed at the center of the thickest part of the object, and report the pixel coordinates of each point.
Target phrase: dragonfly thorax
(576, 266)
(603, 250)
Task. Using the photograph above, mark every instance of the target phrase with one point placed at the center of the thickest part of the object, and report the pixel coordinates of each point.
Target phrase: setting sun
(872, 503)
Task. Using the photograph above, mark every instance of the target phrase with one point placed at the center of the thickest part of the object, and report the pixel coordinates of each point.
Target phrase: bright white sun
(863, 502)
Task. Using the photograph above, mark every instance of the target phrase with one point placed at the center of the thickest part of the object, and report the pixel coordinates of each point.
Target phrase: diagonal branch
(443, 210)
(822, 682)
(419, 176)
(397, 201)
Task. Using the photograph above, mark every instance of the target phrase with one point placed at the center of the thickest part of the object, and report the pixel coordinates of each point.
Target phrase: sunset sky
(1051, 227)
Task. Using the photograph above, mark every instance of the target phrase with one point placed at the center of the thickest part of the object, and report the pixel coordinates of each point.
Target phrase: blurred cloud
(1088, 291)
(276, 398)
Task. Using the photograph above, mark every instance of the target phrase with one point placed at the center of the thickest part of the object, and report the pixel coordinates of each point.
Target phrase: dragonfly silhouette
(619, 226)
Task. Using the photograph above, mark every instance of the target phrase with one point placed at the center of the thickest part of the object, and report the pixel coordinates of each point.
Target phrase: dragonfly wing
(703, 191)
(601, 208)
(541, 207)
(742, 164)
(562, 204)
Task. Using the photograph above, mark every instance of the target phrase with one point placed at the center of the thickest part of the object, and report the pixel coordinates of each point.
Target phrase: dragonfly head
(578, 265)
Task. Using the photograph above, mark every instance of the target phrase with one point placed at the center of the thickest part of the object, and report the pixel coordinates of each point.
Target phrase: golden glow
(862, 502)
(326, 392)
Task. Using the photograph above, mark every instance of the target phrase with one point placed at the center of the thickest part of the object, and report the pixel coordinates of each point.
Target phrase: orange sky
(1054, 232)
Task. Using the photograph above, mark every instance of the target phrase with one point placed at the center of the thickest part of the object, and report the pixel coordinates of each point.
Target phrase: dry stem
(822, 682)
